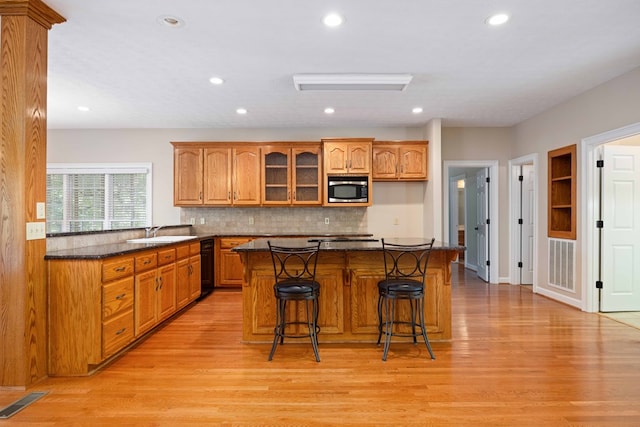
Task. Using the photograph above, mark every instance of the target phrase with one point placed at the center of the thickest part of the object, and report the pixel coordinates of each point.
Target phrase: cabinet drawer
(182, 251)
(146, 261)
(233, 242)
(117, 297)
(166, 256)
(112, 270)
(117, 333)
(194, 248)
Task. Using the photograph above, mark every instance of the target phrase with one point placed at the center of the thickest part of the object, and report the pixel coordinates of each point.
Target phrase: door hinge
(520, 264)
(599, 163)
(520, 221)
(598, 284)
(521, 178)
(488, 263)
(488, 180)
(488, 221)
(600, 224)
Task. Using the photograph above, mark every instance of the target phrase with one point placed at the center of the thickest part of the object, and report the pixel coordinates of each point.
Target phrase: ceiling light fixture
(83, 108)
(216, 80)
(329, 110)
(497, 19)
(333, 20)
(241, 111)
(397, 82)
(417, 110)
(170, 21)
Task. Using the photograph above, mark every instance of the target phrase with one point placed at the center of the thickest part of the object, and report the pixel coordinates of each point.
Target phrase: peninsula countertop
(358, 243)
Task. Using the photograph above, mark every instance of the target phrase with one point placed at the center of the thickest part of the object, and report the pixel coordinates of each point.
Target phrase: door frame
(514, 215)
(453, 208)
(493, 166)
(589, 205)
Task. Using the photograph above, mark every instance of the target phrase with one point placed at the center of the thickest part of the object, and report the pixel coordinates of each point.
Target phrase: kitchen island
(348, 272)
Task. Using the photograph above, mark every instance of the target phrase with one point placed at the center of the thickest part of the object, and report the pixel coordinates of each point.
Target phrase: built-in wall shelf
(562, 193)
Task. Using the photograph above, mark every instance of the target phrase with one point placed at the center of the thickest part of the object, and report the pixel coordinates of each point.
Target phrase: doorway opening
(484, 263)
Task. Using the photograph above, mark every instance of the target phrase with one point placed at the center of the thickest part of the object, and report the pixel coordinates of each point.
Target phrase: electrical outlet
(251, 222)
(326, 221)
(396, 221)
(202, 221)
(36, 230)
(40, 213)
(192, 221)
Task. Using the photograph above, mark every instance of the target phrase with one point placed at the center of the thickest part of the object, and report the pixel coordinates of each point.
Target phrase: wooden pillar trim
(34, 9)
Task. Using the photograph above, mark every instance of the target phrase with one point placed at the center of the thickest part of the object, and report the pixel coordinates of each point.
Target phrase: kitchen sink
(161, 239)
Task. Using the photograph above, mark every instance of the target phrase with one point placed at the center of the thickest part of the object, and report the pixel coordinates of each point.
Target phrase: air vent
(562, 261)
(392, 82)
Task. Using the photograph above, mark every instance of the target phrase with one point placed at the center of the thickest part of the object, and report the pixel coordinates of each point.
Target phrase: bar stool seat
(294, 271)
(405, 272)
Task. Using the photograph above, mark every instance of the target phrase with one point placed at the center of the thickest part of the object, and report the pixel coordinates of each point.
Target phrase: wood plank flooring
(516, 359)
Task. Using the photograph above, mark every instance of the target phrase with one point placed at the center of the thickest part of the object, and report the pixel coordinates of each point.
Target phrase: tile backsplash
(286, 220)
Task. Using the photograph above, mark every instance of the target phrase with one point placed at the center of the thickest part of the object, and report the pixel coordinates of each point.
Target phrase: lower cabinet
(99, 307)
(229, 269)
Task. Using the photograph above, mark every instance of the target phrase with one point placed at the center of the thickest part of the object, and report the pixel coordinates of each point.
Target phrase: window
(98, 196)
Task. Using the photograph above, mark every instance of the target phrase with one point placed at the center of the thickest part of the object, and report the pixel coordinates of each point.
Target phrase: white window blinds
(91, 197)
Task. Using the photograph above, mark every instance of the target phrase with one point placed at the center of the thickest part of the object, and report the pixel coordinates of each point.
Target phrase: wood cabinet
(229, 271)
(188, 274)
(400, 161)
(221, 174)
(347, 155)
(99, 307)
(291, 175)
(561, 193)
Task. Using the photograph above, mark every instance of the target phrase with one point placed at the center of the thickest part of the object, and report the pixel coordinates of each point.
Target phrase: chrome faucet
(151, 231)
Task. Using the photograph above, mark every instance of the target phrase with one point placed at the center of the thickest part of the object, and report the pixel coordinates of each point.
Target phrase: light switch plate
(36, 230)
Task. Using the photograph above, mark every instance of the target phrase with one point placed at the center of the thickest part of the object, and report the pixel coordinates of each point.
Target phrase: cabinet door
(145, 301)
(364, 300)
(359, 158)
(331, 301)
(385, 162)
(187, 176)
(276, 176)
(335, 157)
(166, 293)
(306, 176)
(195, 284)
(217, 176)
(413, 163)
(182, 282)
(246, 176)
(230, 269)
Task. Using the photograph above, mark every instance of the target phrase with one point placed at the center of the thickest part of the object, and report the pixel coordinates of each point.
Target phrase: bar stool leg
(423, 327)
(390, 306)
(278, 331)
(380, 301)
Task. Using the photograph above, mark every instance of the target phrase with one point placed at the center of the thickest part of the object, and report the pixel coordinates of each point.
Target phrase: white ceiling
(134, 72)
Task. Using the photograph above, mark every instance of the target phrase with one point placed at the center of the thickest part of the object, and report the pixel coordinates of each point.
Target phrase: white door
(620, 254)
(528, 229)
(481, 223)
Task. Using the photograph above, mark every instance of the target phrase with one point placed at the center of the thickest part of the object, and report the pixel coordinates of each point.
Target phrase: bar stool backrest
(294, 263)
(406, 262)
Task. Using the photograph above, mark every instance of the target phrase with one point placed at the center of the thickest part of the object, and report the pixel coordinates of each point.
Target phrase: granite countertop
(123, 248)
(364, 243)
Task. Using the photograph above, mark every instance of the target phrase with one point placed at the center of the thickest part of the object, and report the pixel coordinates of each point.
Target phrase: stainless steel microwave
(348, 189)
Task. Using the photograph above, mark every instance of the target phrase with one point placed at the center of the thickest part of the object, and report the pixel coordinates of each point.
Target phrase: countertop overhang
(260, 244)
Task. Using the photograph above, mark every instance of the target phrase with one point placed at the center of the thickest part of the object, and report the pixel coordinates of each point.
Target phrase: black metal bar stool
(405, 271)
(295, 270)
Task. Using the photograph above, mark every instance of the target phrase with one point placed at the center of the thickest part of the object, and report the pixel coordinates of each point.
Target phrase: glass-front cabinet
(291, 175)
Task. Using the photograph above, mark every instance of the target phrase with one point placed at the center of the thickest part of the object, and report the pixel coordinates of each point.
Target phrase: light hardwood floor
(515, 359)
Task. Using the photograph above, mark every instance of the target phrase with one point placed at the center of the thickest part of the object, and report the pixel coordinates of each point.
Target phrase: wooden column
(24, 26)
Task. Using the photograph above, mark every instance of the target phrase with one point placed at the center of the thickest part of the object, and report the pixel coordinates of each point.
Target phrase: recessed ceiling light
(497, 19)
(216, 80)
(241, 111)
(329, 110)
(417, 110)
(333, 20)
(83, 108)
(170, 21)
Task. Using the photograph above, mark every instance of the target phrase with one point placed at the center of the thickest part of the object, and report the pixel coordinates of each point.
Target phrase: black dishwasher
(206, 271)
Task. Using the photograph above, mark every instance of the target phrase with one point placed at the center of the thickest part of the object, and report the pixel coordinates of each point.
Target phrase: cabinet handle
(119, 269)
(200, 196)
(121, 296)
(119, 332)
(147, 261)
(167, 257)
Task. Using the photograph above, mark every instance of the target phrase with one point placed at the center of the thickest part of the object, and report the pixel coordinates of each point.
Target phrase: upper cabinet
(347, 155)
(213, 174)
(291, 174)
(400, 161)
(562, 193)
